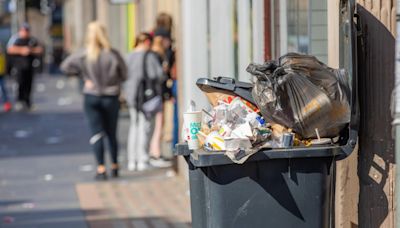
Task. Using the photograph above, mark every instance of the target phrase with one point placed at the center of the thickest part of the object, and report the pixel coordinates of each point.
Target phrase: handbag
(148, 97)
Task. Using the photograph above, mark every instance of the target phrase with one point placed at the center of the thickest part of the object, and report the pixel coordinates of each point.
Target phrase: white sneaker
(18, 107)
(141, 166)
(160, 163)
(132, 166)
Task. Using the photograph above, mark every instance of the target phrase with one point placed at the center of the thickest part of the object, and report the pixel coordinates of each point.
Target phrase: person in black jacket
(23, 48)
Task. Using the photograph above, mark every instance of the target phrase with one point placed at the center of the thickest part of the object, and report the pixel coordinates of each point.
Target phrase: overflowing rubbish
(296, 101)
(303, 94)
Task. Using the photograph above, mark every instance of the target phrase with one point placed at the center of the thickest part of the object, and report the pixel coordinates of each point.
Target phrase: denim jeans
(3, 90)
(102, 114)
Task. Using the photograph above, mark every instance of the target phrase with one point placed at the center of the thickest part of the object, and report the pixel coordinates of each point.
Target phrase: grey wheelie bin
(274, 188)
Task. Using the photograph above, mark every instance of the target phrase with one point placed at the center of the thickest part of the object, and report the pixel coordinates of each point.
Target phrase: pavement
(47, 170)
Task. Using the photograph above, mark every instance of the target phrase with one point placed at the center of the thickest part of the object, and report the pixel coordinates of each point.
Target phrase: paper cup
(192, 126)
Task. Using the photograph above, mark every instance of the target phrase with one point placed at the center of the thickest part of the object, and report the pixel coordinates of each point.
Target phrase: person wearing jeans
(103, 71)
(4, 95)
(3, 88)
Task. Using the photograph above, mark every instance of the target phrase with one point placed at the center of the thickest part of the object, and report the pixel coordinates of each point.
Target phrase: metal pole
(14, 16)
(396, 122)
(21, 9)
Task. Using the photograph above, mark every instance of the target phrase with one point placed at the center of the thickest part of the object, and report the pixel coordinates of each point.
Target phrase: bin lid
(227, 85)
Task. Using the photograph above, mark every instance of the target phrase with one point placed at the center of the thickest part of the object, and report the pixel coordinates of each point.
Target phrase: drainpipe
(94, 10)
(22, 11)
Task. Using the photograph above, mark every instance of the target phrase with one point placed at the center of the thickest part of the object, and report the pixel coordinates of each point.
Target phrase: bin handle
(349, 147)
(225, 80)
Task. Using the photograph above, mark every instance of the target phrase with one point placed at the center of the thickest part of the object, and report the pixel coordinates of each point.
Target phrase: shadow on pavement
(43, 218)
(74, 218)
(32, 134)
(141, 222)
(8, 203)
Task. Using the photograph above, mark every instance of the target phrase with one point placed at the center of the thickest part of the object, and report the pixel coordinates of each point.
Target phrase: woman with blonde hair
(103, 71)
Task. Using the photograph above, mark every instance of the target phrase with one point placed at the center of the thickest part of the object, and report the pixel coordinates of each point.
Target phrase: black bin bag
(303, 94)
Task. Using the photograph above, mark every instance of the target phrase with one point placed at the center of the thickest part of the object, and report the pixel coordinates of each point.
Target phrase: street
(203, 114)
(47, 171)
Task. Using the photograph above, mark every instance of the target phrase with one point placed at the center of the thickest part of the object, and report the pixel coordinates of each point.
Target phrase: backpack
(148, 96)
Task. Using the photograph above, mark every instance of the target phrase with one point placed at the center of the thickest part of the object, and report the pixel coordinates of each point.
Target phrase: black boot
(115, 173)
(101, 176)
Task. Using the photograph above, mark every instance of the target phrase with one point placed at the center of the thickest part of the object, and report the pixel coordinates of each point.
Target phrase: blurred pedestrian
(3, 88)
(158, 48)
(144, 74)
(103, 71)
(162, 45)
(23, 49)
(156, 158)
(162, 34)
(163, 40)
(163, 30)
(164, 21)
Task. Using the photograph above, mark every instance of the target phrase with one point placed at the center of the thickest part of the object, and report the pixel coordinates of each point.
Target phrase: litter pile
(296, 101)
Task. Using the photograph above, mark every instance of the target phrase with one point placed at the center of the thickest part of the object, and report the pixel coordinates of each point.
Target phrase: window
(299, 26)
